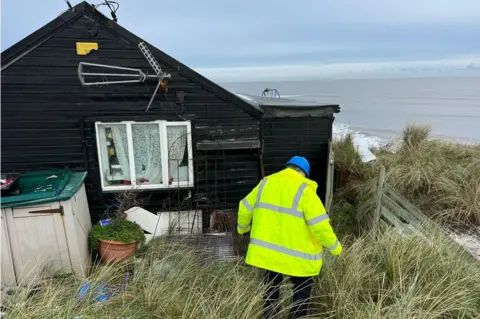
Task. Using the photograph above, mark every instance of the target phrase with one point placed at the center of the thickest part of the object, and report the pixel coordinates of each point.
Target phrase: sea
(376, 110)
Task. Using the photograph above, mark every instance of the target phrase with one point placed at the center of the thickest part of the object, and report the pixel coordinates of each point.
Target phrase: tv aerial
(129, 75)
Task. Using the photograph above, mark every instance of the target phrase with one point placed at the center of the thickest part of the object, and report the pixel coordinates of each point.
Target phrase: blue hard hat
(300, 162)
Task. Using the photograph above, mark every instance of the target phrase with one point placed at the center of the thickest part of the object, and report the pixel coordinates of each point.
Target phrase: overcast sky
(278, 39)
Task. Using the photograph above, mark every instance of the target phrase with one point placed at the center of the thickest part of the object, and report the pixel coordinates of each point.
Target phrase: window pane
(147, 154)
(113, 146)
(177, 153)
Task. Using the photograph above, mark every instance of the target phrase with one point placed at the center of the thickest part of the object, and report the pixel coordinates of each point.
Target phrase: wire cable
(113, 6)
(69, 5)
(113, 12)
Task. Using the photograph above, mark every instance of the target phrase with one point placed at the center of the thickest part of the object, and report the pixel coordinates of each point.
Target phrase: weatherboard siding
(48, 117)
(303, 136)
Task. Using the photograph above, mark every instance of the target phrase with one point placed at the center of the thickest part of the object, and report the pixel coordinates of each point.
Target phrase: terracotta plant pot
(115, 251)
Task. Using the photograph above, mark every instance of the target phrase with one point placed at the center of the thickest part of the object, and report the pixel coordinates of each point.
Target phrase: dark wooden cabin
(291, 127)
(218, 144)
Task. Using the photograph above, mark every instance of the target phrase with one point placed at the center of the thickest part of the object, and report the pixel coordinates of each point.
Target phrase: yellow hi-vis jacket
(288, 225)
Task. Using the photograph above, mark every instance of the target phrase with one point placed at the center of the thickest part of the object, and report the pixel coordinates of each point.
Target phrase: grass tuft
(346, 155)
(378, 276)
(413, 136)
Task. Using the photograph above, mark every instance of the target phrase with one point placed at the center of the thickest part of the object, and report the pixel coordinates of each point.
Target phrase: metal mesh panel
(213, 247)
(219, 242)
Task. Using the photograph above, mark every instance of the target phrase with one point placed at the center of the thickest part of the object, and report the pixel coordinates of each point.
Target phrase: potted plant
(116, 238)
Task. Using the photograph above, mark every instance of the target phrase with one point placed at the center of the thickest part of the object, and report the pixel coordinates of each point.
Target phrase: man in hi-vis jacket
(289, 229)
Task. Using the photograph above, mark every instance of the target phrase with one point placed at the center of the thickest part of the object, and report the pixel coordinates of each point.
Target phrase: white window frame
(162, 125)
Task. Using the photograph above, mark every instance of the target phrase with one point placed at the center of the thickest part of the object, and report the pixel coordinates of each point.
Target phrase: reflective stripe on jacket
(288, 224)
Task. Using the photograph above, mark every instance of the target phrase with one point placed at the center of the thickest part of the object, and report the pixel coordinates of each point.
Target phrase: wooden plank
(237, 132)
(396, 209)
(423, 220)
(412, 214)
(408, 206)
(378, 199)
(232, 145)
(330, 168)
(391, 218)
(383, 225)
(40, 133)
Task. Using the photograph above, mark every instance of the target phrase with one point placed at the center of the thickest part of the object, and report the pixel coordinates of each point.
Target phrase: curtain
(102, 140)
(177, 141)
(147, 153)
(119, 133)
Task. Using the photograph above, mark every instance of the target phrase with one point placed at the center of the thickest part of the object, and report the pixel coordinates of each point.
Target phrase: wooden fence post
(330, 181)
(378, 199)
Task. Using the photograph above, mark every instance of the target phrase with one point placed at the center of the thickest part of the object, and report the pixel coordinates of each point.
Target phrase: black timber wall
(303, 136)
(48, 117)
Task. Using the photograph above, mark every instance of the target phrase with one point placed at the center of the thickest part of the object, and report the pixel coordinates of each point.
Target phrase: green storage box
(44, 187)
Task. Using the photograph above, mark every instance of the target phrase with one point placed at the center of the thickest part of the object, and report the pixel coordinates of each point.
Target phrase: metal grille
(212, 235)
(209, 247)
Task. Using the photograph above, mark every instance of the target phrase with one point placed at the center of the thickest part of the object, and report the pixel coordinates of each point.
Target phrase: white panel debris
(363, 149)
(145, 219)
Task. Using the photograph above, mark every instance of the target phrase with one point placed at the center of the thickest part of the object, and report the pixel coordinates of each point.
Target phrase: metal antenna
(129, 75)
(137, 74)
(156, 67)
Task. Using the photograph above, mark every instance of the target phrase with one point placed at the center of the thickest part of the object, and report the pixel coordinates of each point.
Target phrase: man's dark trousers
(302, 291)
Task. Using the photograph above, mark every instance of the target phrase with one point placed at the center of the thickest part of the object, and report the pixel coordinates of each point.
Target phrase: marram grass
(378, 276)
(442, 178)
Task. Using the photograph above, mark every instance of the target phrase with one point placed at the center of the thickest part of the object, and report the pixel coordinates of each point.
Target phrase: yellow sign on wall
(84, 48)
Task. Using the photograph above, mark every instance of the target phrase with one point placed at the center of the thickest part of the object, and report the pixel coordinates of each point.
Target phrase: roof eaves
(250, 101)
(261, 102)
(335, 107)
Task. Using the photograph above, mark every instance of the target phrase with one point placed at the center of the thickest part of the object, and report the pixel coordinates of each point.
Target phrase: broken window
(178, 153)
